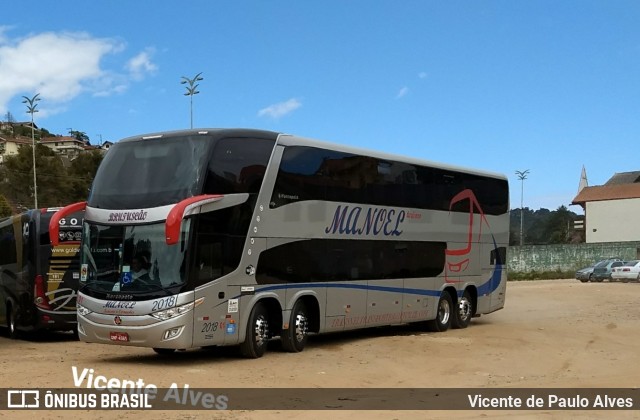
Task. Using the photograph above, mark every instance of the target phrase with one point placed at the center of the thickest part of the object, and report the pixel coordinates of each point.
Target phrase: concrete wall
(613, 220)
(564, 257)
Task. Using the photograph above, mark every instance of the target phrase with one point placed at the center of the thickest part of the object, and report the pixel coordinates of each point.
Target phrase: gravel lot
(551, 334)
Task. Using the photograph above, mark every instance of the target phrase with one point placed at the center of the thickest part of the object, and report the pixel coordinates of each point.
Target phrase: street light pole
(31, 109)
(522, 175)
(191, 90)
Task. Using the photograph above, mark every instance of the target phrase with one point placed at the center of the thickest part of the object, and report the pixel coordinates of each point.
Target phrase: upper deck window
(238, 165)
(310, 173)
(150, 173)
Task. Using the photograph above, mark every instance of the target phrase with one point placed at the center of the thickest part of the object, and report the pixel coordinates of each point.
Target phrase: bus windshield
(149, 173)
(132, 259)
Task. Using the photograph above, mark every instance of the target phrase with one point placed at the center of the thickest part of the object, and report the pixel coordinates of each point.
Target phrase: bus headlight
(82, 310)
(172, 312)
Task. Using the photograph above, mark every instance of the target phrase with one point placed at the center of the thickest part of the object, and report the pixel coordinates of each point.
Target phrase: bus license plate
(118, 336)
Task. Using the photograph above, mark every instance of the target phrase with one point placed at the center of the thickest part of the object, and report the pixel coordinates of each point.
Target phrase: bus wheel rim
(444, 312)
(464, 308)
(12, 325)
(301, 327)
(261, 331)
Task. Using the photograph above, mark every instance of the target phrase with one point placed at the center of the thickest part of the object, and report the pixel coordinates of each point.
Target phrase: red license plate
(118, 336)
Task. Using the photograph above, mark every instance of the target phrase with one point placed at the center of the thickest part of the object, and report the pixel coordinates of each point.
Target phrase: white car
(628, 271)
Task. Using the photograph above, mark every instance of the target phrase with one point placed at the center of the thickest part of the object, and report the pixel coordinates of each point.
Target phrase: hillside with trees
(58, 184)
(541, 227)
(60, 179)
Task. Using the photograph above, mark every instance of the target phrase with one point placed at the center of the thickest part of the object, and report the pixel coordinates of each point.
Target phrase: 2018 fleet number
(164, 303)
(211, 326)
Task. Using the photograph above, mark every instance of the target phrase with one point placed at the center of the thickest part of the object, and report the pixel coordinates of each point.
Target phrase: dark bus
(38, 281)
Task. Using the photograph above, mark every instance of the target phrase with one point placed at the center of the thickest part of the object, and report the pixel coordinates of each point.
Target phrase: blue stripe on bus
(492, 284)
(354, 286)
(486, 288)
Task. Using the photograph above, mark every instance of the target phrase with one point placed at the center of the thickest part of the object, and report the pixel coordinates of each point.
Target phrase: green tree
(81, 173)
(5, 208)
(79, 135)
(544, 226)
(17, 178)
(559, 225)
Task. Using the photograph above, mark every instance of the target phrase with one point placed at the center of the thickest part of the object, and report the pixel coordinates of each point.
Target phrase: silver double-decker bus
(216, 237)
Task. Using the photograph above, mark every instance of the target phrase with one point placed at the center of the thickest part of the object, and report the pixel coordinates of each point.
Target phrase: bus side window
(238, 165)
(7, 246)
(498, 257)
(209, 261)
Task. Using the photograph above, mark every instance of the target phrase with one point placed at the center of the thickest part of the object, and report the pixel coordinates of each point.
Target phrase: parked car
(585, 274)
(602, 270)
(628, 271)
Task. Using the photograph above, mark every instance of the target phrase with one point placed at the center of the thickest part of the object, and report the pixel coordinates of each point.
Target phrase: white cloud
(402, 92)
(62, 65)
(280, 109)
(141, 64)
(422, 75)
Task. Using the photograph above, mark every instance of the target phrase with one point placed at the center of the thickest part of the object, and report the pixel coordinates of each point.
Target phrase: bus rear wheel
(294, 338)
(464, 311)
(255, 343)
(443, 318)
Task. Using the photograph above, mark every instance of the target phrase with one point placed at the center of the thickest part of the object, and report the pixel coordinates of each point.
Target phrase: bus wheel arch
(305, 317)
(465, 308)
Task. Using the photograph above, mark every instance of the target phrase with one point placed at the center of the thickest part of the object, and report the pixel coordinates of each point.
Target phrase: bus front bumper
(136, 330)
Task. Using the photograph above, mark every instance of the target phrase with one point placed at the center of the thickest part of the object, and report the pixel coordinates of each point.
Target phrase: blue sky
(547, 86)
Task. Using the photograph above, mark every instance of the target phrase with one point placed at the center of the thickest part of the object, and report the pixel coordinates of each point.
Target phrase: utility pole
(192, 89)
(522, 175)
(32, 109)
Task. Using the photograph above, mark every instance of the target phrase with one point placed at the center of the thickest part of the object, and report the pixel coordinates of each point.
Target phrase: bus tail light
(39, 293)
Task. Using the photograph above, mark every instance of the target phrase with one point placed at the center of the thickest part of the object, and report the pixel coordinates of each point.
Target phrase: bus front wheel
(443, 317)
(255, 343)
(294, 338)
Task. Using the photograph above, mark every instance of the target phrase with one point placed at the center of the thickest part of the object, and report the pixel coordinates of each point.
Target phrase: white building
(612, 210)
(68, 146)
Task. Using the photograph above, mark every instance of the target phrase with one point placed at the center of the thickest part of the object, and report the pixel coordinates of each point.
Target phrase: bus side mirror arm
(196, 205)
(54, 223)
(180, 210)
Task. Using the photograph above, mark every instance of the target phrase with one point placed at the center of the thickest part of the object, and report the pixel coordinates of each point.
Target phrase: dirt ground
(551, 334)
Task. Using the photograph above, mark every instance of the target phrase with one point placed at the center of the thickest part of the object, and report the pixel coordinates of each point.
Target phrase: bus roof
(218, 132)
(293, 140)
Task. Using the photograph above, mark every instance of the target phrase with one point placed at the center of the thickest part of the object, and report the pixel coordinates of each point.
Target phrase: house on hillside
(105, 146)
(10, 146)
(66, 145)
(612, 210)
(9, 126)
